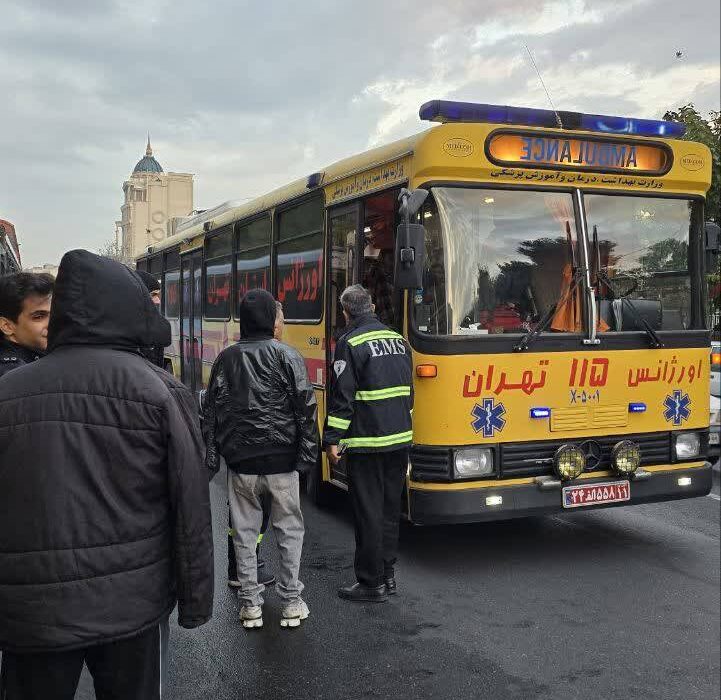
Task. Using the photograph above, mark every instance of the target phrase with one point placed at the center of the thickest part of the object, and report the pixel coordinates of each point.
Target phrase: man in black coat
(154, 353)
(369, 414)
(104, 507)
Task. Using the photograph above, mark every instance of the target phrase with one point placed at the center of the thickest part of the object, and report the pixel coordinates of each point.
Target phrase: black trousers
(232, 564)
(126, 670)
(376, 487)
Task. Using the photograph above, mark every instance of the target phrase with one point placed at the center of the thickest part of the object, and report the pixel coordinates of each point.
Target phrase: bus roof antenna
(545, 89)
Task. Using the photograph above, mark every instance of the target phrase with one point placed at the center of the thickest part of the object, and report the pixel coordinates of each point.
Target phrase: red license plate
(591, 495)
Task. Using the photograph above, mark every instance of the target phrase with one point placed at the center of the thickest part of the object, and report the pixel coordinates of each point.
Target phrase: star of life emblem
(677, 407)
(339, 366)
(488, 417)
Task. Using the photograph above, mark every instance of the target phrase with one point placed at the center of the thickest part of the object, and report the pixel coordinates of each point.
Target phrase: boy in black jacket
(260, 415)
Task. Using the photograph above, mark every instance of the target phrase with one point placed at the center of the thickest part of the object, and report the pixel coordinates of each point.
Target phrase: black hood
(257, 314)
(98, 301)
(150, 281)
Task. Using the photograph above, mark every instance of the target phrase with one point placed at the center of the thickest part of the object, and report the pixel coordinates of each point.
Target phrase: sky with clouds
(250, 95)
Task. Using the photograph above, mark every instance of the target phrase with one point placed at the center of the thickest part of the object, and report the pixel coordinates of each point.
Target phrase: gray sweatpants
(246, 513)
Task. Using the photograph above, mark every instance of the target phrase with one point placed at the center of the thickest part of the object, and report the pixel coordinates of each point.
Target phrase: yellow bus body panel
(588, 393)
(690, 172)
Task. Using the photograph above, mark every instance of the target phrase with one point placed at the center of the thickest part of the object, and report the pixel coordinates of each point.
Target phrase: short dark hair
(356, 301)
(17, 287)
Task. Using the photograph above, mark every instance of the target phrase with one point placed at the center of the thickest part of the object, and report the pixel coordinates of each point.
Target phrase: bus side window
(377, 275)
(299, 249)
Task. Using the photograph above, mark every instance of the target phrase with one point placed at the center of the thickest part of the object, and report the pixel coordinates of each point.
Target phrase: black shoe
(391, 587)
(359, 593)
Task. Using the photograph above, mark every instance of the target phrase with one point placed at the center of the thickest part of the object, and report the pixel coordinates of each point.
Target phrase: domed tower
(148, 164)
(153, 200)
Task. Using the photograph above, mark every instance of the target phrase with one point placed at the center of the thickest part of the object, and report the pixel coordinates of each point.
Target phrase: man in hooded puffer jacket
(104, 505)
(260, 414)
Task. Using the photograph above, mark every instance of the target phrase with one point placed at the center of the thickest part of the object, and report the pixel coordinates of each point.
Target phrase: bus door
(377, 256)
(191, 338)
(344, 224)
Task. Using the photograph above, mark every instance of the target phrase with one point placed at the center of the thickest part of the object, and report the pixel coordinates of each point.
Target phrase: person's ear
(373, 308)
(7, 327)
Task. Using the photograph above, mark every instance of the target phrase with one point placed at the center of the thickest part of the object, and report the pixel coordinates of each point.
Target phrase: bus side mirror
(409, 256)
(712, 246)
(410, 241)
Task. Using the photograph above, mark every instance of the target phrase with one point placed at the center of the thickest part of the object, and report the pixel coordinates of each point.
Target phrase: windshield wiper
(531, 336)
(656, 342)
(601, 276)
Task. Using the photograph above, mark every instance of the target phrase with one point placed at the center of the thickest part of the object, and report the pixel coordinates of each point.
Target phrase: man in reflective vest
(369, 417)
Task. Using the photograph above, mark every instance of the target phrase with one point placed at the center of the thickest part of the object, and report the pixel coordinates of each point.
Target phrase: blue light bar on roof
(447, 111)
(627, 125)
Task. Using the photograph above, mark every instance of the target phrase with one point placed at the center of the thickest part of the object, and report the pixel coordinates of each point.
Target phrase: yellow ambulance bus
(551, 287)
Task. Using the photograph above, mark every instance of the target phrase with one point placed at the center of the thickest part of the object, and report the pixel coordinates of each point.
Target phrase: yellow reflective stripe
(387, 393)
(260, 537)
(373, 335)
(341, 423)
(383, 441)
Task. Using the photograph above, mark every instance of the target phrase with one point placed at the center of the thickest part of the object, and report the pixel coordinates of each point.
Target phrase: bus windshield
(640, 250)
(497, 261)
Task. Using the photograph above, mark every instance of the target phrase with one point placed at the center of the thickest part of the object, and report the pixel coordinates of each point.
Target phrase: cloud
(249, 96)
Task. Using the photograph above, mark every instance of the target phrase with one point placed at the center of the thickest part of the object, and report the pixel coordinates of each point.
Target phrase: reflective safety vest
(371, 397)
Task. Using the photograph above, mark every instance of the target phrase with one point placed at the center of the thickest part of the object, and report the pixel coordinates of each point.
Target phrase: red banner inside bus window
(300, 284)
(252, 271)
(217, 289)
(171, 294)
(252, 279)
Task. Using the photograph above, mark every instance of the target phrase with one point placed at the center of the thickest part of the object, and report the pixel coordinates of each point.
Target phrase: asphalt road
(622, 603)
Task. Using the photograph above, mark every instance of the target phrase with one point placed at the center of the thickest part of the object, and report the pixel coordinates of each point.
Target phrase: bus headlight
(688, 445)
(474, 462)
(569, 462)
(625, 457)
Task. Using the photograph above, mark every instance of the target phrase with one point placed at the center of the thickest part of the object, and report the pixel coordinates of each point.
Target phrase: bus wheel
(320, 492)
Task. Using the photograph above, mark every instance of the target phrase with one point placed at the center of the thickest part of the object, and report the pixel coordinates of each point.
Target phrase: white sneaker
(293, 612)
(234, 583)
(251, 616)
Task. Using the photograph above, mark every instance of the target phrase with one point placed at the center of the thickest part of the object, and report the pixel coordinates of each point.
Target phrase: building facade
(153, 199)
(9, 249)
(47, 268)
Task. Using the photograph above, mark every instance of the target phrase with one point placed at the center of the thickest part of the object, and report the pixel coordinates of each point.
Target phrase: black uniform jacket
(259, 404)
(13, 356)
(371, 396)
(104, 508)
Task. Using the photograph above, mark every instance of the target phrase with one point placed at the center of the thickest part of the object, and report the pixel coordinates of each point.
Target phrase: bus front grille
(522, 459)
(430, 463)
